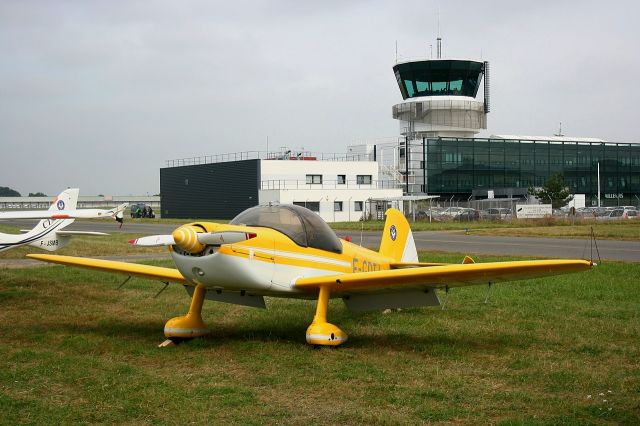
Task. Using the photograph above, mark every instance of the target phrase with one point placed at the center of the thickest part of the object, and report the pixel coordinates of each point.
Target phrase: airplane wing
(134, 269)
(90, 233)
(65, 214)
(443, 276)
(30, 214)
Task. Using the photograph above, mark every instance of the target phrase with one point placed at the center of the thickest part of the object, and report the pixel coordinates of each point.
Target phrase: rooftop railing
(291, 155)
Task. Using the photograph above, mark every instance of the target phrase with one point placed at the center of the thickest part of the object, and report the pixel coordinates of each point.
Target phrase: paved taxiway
(447, 241)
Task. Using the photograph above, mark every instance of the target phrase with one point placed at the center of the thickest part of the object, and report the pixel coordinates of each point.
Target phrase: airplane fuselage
(43, 235)
(270, 263)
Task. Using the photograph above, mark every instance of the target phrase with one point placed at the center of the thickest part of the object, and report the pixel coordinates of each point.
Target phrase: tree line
(5, 191)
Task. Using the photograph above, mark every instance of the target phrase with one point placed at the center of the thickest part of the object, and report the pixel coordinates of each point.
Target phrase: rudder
(66, 200)
(397, 240)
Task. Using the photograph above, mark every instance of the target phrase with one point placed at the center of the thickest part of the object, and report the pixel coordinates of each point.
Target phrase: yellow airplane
(289, 251)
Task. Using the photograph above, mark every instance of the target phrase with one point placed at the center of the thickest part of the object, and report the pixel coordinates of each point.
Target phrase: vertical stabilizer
(397, 239)
(66, 200)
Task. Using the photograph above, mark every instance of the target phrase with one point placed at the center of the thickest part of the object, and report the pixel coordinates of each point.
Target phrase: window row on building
(338, 206)
(318, 179)
(464, 181)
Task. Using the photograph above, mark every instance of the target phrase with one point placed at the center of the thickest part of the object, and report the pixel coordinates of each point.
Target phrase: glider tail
(52, 241)
(66, 200)
(397, 239)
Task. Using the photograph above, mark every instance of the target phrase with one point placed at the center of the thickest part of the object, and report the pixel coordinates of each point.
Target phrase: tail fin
(397, 239)
(67, 200)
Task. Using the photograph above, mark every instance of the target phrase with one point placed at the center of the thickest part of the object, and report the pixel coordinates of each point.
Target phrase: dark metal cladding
(209, 191)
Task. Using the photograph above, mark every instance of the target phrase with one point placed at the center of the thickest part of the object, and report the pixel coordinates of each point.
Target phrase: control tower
(440, 97)
(439, 101)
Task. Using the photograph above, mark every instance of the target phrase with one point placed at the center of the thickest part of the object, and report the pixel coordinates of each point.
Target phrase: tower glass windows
(442, 77)
(456, 167)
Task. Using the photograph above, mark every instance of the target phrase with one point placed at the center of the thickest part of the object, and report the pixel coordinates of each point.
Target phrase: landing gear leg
(320, 332)
(189, 326)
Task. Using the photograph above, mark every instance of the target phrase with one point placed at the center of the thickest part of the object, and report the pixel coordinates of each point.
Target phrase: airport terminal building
(465, 168)
(220, 187)
(437, 153)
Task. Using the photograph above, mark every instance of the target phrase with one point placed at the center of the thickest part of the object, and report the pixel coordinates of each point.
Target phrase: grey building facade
(209, 191)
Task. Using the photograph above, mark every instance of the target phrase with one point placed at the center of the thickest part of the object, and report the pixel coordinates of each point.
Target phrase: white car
(616, 214)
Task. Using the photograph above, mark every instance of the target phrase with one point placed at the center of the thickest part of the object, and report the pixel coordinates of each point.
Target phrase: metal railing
(264, 155)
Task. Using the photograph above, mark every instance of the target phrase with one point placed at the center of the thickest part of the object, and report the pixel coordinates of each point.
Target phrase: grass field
(562, 350)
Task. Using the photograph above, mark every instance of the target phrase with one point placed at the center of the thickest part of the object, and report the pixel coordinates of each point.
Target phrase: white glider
(48, 234)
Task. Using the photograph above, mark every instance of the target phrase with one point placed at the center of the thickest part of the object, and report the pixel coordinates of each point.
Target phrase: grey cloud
(99, 94)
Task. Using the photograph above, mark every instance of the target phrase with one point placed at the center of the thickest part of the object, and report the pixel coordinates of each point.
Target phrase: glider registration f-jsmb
(48, 234)
(289, 251)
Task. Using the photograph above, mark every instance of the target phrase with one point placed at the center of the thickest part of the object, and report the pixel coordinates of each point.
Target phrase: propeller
(153, 241)
(191, 238)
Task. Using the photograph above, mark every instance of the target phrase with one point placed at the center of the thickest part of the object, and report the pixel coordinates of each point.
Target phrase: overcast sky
(98, 94)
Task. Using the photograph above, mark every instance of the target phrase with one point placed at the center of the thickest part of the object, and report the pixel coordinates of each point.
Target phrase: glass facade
(445, 77)
(456, 167)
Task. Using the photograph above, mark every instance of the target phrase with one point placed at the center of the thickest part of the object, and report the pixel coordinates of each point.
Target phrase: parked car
(621, 212)
(432, 215)
(451, 212)
(467, 215)
(585, 213)
(615, 214)
(500, 213)
(141, 210)
(601, 211)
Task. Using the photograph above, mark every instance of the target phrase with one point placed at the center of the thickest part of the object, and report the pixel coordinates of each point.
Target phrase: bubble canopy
(302, 225)
(439, 77)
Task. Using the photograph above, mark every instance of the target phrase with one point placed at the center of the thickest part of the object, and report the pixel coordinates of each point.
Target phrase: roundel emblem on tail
(393, 232)
(60, 205)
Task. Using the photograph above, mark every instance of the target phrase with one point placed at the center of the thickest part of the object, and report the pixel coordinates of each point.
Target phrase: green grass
(77, 350)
